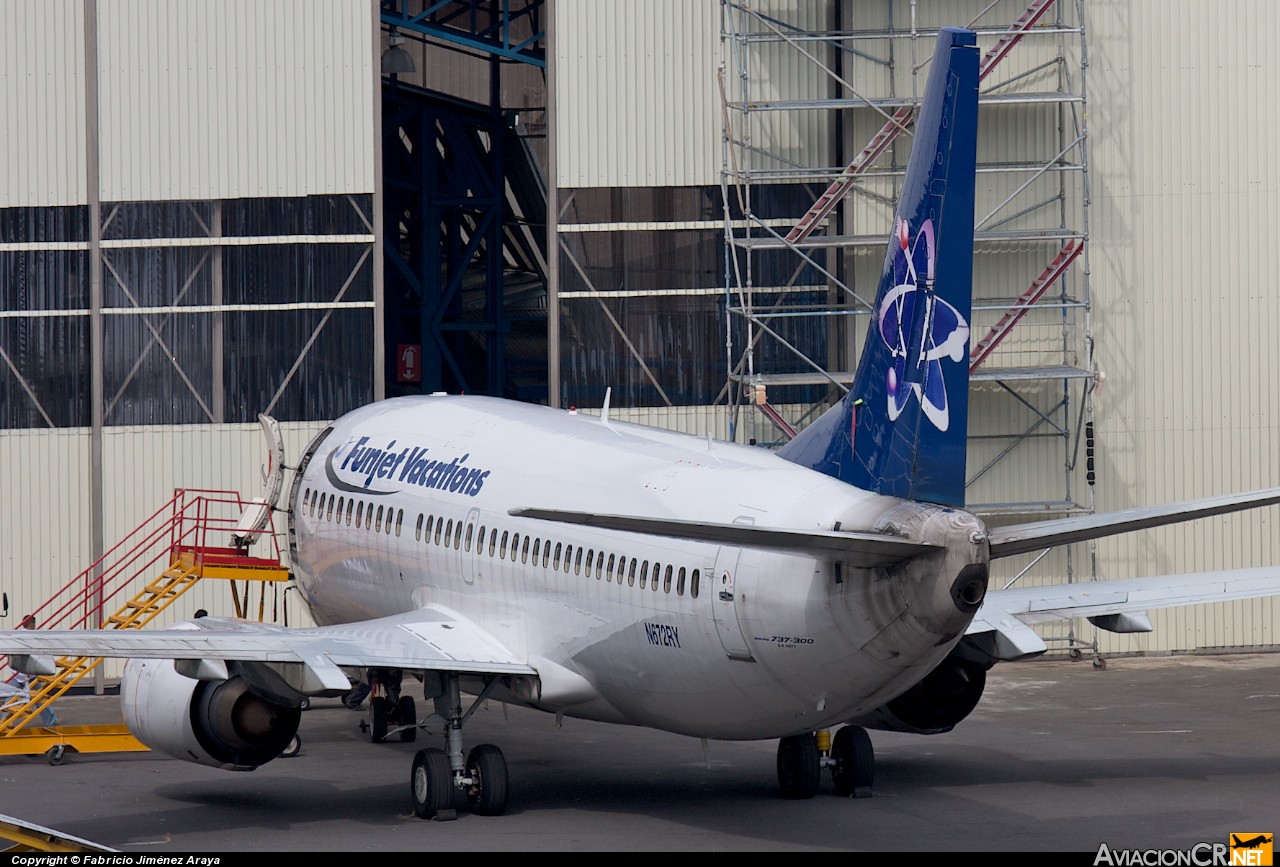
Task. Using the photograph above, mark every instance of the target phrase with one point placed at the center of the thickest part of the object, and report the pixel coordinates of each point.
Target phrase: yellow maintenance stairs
(178, 535)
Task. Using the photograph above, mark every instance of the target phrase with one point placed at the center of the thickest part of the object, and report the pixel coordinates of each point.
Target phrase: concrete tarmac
(1160, 753)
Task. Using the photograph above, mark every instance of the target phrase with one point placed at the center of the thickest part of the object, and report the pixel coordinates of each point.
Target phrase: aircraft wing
(1002, 626)
(864, 550)
(426, 639)
(1022, 538)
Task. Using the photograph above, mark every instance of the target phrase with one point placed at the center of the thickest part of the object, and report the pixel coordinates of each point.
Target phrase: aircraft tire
(431, 783)
(487, 793)
(377, 719)
(799, 767)
(408, 717)
(854, 769)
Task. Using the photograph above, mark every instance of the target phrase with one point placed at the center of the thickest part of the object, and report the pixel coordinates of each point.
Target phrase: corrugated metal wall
(636, 104)
(1185, 174)
(42, 150)
(196, 100)
(277, 103)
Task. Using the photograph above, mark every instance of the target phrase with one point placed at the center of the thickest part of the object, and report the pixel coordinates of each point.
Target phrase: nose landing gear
(438, 775)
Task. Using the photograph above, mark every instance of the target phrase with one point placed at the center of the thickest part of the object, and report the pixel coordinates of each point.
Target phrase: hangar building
(211, 211)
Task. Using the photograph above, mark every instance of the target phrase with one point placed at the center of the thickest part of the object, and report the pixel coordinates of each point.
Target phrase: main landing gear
(389, 713)
(849, 757)
(438, 775)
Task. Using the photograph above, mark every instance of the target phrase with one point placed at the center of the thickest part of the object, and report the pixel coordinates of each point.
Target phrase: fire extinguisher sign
(409, 362)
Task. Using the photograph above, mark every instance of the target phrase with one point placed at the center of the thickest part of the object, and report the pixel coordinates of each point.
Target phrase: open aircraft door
(257, 514)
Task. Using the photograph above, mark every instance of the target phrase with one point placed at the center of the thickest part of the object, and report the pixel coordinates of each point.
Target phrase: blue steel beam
(495, 38)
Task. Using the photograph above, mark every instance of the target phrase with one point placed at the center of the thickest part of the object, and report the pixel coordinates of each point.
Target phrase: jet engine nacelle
(937, 703)
(220, 723)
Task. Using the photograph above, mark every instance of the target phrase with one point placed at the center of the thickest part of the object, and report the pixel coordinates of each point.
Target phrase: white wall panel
(636, 103)
(234, 99)
(42, 148)
(1184, 169)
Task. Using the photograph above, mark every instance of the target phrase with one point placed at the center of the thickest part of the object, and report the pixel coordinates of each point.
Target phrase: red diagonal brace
(1035, 291)
(827, 202)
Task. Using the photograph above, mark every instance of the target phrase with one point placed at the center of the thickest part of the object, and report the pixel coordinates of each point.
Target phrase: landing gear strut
(849, 756)
(438, 775)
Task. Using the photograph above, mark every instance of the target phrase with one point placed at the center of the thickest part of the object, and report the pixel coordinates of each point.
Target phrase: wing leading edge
(310, 659)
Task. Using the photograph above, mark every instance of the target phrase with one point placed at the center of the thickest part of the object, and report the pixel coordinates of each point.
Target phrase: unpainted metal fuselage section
(688, 636)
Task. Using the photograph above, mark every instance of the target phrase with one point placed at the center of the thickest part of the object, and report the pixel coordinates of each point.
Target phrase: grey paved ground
(1161, 753)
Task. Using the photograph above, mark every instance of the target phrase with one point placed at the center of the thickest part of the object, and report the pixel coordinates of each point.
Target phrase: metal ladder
(137, 612)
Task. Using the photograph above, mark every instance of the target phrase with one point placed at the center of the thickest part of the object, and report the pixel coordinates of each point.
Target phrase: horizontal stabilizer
(1119, 606)
(862, 550)
(1022, 538)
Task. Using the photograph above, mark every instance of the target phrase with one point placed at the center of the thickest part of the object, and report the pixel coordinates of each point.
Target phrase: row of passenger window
(323, 506)
(507, 545)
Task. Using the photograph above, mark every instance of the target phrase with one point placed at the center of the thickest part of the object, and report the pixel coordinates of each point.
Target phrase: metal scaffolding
(817, 106)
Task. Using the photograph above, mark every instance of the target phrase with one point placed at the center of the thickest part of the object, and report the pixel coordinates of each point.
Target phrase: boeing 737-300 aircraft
(615, 572)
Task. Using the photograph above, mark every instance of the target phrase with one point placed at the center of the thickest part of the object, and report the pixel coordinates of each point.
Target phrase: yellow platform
(57, 741)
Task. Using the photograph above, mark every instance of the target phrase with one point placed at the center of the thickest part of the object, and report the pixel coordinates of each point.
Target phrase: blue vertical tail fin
(901, 430)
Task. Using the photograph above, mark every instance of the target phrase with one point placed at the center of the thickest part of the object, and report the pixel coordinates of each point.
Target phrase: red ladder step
(1013, 35)
(1055, 269)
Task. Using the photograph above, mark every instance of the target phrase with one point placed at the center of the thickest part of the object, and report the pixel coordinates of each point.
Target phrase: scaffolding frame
(1043, 214)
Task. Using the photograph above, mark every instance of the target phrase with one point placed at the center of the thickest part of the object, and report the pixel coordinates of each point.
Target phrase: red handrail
(189, 521)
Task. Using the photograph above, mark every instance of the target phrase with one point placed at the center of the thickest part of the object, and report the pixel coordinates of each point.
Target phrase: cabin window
(378, 525)
(680, 582)
(568, 558)
(457, 535)
(666, 584)
(351, 504)
(493, 542)
(417, 529)
(479, 542)
(466, 546)
(609, 572)
(555, 560)
(653, 581)
(644, 573)
(599, 562)
(502, 549)
(399, 520)
(631, 573)
(693, 584)
(537, 546)
(524, 552)
(577, 564)
(448, 533)
(359, 513)
(341, 502)
(330, 513)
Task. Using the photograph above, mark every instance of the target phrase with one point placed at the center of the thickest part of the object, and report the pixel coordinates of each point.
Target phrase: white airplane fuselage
(687, 636)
